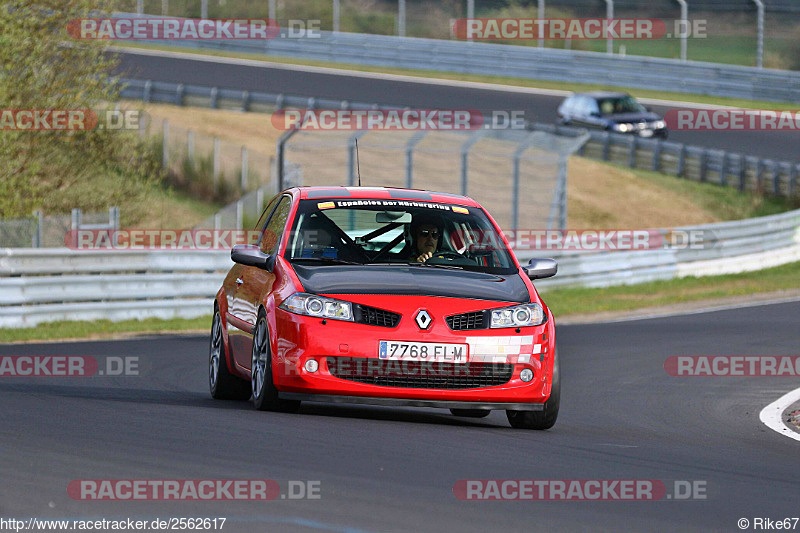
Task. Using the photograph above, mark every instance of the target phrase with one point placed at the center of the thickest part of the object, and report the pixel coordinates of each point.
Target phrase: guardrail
(746, 173)
(42, 285)
(521, 62)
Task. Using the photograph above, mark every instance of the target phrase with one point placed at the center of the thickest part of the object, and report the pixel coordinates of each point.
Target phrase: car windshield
(385, 232)
(625, 104)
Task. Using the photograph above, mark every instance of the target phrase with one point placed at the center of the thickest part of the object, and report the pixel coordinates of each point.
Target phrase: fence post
(412, 142)
(681, 170)
(164, 7)
(217, 222)
(190, 144)
(179, 94)
(244, 168)
(214, 97)
(657, 156)
(723, 169)
(776, 178)
(703, 164)
(632, 151)
(203, 9)
(239, 214)
(759, 172)
(113, 217)
(465, 150)
(148, 91)
(75, 226)
(165, 145)
(335, 16)
(742, 172)
(259, 201)
(401, 18)
(37, 236)
(792, 179)
(280, 153)
(246, 101)
(216, 162)
(140, 7)
(518, 151)
(606, 145)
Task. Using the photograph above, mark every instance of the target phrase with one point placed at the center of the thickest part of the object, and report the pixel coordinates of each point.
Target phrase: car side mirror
(541, 268)
(251, 255)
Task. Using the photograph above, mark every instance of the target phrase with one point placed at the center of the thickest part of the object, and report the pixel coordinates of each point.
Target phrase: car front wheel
(265, 395)
(546, 418)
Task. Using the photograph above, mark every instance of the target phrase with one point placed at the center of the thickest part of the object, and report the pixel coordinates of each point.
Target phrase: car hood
(412, 280)
(625, 118)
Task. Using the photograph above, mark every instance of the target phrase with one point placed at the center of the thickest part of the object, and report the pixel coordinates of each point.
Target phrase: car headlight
(518, 316)
(302, 303)
(623, 128)
(659, 124)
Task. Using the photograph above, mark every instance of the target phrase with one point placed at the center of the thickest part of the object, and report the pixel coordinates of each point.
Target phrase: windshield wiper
(329, 260)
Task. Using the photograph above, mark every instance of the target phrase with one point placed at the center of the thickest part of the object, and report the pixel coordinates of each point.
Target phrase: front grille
(474, 320)
(414, 374)
(373, 316)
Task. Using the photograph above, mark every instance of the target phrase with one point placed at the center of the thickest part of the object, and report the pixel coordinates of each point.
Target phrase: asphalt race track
(393, 469)
(780, 146)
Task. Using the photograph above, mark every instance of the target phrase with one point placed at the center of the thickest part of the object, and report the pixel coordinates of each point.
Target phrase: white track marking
(771, 414)
(390, 77)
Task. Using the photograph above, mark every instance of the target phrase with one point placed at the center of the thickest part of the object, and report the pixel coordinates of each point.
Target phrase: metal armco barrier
(521, 62)
(40, 286)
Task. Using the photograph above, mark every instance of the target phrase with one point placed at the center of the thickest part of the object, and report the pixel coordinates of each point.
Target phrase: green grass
(725, 203)
(579, 301)
(563, 302)
(502, 80)
(102, 329)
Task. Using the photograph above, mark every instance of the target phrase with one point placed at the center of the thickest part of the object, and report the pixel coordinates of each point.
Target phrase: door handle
(239, 281)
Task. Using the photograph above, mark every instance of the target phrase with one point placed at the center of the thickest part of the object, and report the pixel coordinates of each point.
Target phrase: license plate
(423, 351)
(646, 133)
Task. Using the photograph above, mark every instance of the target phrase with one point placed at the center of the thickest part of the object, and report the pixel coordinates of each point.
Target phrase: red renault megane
(385, 296)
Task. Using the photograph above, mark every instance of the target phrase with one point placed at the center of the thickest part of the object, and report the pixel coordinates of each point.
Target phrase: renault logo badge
(423, 319)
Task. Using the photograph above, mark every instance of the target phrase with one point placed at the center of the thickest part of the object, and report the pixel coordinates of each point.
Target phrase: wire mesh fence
(519, 176)
(207, 165)
(52, 230)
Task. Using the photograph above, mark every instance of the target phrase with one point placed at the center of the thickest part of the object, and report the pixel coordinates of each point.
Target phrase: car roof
(384, 193)
(603, 94)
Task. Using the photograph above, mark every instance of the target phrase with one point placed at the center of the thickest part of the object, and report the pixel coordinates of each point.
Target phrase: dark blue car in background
(611, 111)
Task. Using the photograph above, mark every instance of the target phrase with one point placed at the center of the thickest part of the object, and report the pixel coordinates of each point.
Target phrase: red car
(385, 296)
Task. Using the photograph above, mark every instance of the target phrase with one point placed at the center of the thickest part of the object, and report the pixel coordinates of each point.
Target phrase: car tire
(222, 384)
(546, 418)
(265, 394)
(471, 413)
